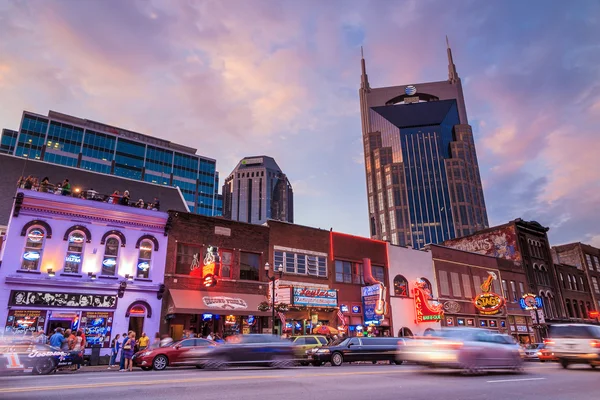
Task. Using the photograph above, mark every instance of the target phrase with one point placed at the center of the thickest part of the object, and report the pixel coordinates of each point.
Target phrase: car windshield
(343, 342)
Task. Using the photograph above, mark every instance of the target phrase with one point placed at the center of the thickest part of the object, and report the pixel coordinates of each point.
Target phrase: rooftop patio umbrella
(324, 330)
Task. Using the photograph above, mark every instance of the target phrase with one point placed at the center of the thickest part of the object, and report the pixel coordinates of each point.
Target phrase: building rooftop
(416, 114)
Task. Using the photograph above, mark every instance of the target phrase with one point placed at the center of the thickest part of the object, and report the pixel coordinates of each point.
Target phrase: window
(597, 262)
(144, 259)
(569, 282)
(378, 273)
(444, 287)
(188, 259)
(521, 289)
(249, 266)
(456, 292)
(466, 283)
(581, 284)
(226, 257)
(34, 247)
(595, 284)
(575, 287)
(74, 257)
(311, 340)
(505, 288)
(400, 286)
(427, 284)
(348, 272)
(296, 263)
(588, 259)
(111, 256)
(569, 309)
(513, 287)
(562, 280)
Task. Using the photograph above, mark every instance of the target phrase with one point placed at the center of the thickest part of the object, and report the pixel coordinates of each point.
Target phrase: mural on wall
(501, 243)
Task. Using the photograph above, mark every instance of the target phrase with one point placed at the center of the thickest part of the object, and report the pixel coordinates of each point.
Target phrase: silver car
(470, 349)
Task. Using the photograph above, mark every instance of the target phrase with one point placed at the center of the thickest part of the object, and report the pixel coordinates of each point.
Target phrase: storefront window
(97, 326)
(74, 257)
(34, 247)
(348, 272)
(144, 259)
(249, 266)
(111, 256)
(378, 273)
(188, 259)
(226, 257)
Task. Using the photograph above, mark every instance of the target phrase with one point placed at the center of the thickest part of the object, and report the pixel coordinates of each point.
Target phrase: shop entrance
(65, 320)
(136, 324)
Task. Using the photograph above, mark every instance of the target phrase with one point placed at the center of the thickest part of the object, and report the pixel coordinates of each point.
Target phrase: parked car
(575, 344)
(172, 354)
(471, 349)
(307, 344)
(531, 351)
(39, 359)
(545, 354)
(358, 349)
(251, 350)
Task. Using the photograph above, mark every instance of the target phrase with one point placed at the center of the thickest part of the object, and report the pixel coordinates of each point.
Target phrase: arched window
(562, 280)
(400, 286)
(34, 248)
(569, 309)
(429, 332)
(111, 256)
(427, 284)
(576, 309)
(405, 332)
(144, 259)
(74, 256)
(582, 307)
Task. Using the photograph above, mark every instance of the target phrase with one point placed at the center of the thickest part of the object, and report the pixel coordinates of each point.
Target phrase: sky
(240, 78)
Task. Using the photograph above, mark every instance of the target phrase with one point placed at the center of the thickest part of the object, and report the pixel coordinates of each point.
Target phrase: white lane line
(516, 380)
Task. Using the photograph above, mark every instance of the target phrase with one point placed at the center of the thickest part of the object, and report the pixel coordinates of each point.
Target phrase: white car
(531, 351)
(575, 344)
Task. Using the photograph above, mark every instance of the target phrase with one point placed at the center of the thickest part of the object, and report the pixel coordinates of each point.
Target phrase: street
(540, 381)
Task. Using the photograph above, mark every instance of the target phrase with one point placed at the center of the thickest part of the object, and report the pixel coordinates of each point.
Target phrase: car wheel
(160, 362)
(44, 366)
(337, 359)
(564, 364)
(397, 362)
(146, 368)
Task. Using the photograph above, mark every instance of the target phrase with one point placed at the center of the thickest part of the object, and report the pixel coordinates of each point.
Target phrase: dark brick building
(575, 291)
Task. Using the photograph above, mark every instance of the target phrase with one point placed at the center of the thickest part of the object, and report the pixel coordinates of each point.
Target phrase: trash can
(95, 356)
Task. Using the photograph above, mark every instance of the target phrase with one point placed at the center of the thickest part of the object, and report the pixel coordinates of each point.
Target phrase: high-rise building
(80, 143)
(423, 179)
(257, 190)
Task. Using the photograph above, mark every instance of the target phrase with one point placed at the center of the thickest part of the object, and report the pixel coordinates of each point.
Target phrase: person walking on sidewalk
(156, 342)
(78, 346)
(143, 341)
(128, 350)
(115, 346)
(122, 359)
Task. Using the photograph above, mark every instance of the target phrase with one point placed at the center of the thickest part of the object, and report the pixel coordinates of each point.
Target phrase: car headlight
(323, 351)
(146, 353)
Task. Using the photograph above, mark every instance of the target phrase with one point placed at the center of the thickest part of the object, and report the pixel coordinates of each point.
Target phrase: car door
(176, 355)
(352, 350)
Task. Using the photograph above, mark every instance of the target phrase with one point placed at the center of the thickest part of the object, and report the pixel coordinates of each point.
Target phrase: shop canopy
(199, 302)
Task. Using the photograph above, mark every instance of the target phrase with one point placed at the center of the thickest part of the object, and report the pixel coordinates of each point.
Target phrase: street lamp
(272, 278)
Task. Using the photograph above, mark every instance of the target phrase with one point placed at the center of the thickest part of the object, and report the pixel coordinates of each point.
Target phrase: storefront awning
(198, 302)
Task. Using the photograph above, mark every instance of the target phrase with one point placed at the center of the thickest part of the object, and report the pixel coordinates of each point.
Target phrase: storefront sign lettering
(31, 256)
(73, 258)
(35, 236)
(314, 297)
(424, 310)
(225, 303)
(530, 301)
(489, 303)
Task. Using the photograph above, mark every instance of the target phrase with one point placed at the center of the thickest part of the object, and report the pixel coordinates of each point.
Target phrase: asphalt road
(539, 381)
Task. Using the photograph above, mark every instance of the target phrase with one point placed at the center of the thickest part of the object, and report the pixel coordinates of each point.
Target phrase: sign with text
(23, 321)
(425, 311)
(371, 297)
(310, 297)
(97, 326)
(500, 243)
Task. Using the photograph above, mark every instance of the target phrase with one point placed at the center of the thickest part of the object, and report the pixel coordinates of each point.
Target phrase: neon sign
(424, 310)
(76, 238)
(356, 309)
(343, 308)
(144, 266)
(35, 235)
(31, 256)
(109, 262)
(73, 258)
(488, 303)
(530, 301)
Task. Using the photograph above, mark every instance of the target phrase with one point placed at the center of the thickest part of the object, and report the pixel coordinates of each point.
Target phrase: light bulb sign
(530, 301)
(488, 303)
(424, 310)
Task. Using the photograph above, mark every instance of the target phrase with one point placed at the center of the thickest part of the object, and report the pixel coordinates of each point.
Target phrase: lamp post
(272, 278)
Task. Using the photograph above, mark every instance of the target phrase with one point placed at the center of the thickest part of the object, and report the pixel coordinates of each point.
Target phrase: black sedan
(358, 349)
(251, 350)
(40, 359)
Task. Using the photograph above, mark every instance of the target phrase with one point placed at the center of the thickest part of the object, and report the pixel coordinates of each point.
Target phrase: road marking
(517, 380)
(190, 380)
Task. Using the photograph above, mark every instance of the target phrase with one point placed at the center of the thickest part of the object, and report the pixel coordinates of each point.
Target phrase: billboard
(310, 297)
(500, 243)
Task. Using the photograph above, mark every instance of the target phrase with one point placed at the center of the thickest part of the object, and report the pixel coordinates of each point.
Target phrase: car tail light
(595, 344)
(548, 341)
(450, 345)
(400, 343)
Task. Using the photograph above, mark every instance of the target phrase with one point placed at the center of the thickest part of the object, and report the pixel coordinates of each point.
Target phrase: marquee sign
(488, 303)
(225, 303)
(36, 299)
(530, 301)
(310, 297)
(424, 310)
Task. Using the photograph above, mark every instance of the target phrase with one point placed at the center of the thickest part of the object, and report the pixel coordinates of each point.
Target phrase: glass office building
(81, 143)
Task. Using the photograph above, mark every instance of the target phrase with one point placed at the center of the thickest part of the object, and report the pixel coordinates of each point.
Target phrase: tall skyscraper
(80, 143)
(257, 190)
(423, 181)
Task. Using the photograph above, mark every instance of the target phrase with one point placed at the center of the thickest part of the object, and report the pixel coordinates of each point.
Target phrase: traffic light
(210, 280)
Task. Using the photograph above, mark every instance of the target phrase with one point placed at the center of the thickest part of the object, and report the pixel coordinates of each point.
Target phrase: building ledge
(71, 275)
(26, 271)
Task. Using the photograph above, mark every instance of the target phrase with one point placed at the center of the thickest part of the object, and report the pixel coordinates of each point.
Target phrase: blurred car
(575, 344)
(531, 351)
(546, 355)
(173, 354)
(358, 349)
(307, 344)
(40, 359)
(252, 350)
(471, 349)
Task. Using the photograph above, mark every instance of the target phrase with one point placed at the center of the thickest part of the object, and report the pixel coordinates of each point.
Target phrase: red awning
(198, 302)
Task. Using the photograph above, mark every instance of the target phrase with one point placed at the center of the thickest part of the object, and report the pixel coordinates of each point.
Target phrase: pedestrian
(114, 350)
(156, 204)
(36, 184)
(66, 188)
(114, 198)
(58, 188)
(143, 341)
(58, 338)
(91, 194)
(78, 345)
(67, 344)
(140, 203)
(125, 199)
(156, 342)
(124, 338)
(165, 340)
(128, 350)
(44, 185)
(21, 182)
(28, 182)
(41, 338)
(218, 338)
(210, 336)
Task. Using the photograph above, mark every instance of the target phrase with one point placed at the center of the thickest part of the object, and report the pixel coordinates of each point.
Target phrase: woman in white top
(78, 345)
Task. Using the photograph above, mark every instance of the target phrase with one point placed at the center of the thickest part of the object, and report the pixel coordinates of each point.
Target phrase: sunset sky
(250, 77)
